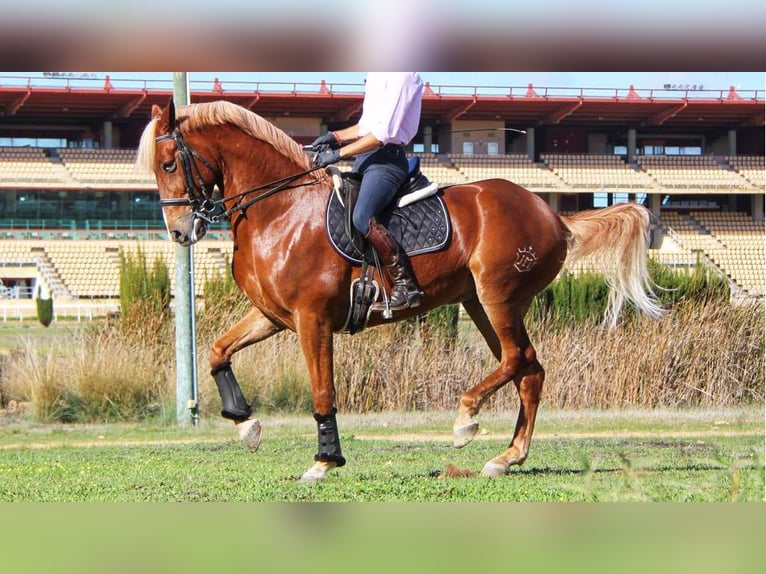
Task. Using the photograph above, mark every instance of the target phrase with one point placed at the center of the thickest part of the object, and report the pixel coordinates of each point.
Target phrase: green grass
(14, 334)
(605, 456)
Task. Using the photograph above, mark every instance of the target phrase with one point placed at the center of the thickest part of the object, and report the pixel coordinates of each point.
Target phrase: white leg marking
(318, 471)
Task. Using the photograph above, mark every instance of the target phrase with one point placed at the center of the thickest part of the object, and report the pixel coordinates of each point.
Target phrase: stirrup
(412, 299)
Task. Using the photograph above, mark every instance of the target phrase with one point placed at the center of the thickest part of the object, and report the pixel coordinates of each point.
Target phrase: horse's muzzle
(194, 230)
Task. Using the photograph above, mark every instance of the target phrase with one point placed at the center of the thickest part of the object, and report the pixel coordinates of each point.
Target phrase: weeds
(700, 354)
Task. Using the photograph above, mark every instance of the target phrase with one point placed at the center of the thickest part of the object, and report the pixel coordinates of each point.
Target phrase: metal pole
(186, 364)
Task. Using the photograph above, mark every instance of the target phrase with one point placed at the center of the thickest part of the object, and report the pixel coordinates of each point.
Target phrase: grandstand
(694, 174)
(72, 200)
(518, 168)
(104, 168)
(599, 172)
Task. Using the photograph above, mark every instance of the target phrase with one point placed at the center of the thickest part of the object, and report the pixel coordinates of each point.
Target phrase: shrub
(225, 304)
(440, 326)
(582, 298)
(144, 297)
(704, 352)
(700, 284)
(92, 375)
(44, 310)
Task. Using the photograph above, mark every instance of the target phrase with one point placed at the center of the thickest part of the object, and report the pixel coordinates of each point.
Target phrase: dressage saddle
(417, 218)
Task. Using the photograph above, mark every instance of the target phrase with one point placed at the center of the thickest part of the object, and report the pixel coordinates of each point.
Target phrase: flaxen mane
(195, 116)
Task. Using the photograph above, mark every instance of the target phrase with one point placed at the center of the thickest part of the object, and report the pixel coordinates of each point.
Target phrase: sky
(617, 80)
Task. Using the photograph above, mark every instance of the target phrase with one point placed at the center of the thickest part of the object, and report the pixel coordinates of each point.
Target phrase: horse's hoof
(463, 435)
(317, 472)
(250, 433)
(493, 469)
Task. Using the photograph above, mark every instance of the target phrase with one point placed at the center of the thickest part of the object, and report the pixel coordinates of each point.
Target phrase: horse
(506, 245)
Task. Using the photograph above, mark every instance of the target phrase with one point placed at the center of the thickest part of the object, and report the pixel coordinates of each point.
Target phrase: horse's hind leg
(529, 386)
(503, 329)
(252, 328)
(465, 427)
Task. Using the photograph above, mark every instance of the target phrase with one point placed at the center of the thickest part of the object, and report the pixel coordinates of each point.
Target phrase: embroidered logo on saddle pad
(420, 227)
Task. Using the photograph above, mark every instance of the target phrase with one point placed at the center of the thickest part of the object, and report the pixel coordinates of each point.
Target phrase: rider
(389, 121)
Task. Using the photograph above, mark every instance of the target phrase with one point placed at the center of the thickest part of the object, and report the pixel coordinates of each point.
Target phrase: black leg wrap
(233, 403)
(329, 442)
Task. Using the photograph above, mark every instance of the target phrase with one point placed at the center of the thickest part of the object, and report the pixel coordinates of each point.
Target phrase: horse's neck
(257, 166)
(255, 162)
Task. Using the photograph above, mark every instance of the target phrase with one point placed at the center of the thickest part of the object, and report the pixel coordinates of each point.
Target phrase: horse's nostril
(177, 236)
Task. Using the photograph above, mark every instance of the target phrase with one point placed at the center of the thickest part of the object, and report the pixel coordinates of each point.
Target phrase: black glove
(326, 157)
(329, 140)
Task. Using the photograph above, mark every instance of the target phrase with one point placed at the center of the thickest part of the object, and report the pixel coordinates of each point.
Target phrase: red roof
(522, 107)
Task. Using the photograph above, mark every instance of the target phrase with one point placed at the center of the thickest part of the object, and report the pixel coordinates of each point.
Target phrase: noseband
(198, 192)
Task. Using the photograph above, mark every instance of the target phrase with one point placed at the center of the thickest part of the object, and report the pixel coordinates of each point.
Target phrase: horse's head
(184, 178)
(186, 154)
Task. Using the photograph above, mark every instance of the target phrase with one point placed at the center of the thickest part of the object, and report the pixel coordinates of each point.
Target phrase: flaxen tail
(613, 241)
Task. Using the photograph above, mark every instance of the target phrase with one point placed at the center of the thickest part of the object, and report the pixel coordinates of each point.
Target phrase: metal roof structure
(64, 101)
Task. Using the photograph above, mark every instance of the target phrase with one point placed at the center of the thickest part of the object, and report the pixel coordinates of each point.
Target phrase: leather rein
(198, 192)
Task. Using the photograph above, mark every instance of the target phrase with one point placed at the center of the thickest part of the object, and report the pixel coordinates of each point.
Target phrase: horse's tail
(614, 241)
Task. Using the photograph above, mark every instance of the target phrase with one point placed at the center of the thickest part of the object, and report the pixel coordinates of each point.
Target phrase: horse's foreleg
(316, 341)
(329, 455)
(529, 387)
(252, 328)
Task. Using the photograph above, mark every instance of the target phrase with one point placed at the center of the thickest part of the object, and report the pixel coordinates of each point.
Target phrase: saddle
(417, 218)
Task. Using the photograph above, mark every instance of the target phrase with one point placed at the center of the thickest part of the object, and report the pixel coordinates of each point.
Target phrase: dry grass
(710, 356)
(698, 355)
(93, 376)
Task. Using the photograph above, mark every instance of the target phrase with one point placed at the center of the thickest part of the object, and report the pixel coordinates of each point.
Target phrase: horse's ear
(171, 115)
(166, 117)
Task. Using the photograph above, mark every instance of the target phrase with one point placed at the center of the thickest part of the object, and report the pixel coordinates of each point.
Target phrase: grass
(618, 456)
(653, 411)
(13, 334)
(698, 356)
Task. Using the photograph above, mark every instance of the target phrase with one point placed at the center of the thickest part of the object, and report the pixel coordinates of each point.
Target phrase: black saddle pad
(421, 227)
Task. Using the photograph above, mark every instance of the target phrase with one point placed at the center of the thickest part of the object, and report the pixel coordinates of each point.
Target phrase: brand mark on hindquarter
(525, 259)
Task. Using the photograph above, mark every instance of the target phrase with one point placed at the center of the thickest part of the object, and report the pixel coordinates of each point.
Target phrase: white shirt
(391, 107)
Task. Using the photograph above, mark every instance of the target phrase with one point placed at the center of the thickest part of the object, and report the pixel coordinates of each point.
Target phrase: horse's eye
(169, 166)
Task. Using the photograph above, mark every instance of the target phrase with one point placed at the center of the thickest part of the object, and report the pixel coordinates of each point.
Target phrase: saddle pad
(421, 227)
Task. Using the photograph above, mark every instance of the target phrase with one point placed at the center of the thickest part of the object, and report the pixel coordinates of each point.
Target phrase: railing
(16, 292)
(738, 294)
(18, 310)
(55, 289)
(107, 84)
(44, 224)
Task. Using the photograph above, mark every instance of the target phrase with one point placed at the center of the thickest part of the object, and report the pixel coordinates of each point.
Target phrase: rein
(279, 185)
(198, 193)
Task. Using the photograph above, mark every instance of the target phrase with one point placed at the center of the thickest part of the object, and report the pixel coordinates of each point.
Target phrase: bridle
(198, 192)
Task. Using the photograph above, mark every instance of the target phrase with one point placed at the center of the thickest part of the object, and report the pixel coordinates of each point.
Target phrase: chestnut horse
(506, 245)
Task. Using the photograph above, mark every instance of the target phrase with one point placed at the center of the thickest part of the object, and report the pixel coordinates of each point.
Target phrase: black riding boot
(404, 292)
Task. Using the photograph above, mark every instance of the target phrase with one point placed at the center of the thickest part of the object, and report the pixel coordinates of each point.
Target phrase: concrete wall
(480, 133)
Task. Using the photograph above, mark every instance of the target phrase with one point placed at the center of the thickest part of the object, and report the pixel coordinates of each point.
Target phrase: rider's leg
(405, 292)
(383, 172)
